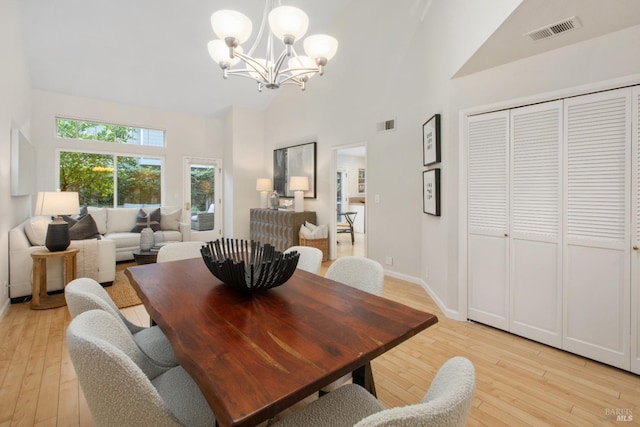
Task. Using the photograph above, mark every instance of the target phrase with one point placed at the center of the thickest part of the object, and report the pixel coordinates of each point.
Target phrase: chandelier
(286, 24)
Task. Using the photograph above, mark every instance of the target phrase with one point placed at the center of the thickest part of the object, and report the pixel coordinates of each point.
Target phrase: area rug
(121, 291)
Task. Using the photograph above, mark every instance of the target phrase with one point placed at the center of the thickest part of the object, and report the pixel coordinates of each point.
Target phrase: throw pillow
(170, 220)
(36, 230)
(84, 227)
(144, 220)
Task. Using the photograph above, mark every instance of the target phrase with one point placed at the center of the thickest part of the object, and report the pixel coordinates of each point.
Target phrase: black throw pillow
(82, 227)
(144, 220)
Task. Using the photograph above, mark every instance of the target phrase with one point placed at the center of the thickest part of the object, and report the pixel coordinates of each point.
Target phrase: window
(78, 129)
(111, 180)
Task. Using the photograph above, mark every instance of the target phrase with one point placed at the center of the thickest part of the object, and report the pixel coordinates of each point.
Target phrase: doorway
(348, 213)
(203, 198)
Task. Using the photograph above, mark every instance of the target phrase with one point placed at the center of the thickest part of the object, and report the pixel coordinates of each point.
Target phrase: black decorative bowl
(248, 266)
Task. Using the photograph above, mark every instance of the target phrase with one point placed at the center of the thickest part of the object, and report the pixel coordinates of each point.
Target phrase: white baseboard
(451, 314)
(5, 308)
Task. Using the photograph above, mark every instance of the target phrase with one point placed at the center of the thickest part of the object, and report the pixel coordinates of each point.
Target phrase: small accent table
(145, 257)
(40, 300)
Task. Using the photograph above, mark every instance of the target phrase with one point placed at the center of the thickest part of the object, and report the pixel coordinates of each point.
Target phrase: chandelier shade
(288, 21)
(231, 24)
(284, 24)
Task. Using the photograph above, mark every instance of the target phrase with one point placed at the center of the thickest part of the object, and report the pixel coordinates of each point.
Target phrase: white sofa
(97, 257)
(116, 224)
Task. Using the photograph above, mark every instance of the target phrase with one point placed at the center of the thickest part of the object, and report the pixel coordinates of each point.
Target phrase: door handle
(635, 248)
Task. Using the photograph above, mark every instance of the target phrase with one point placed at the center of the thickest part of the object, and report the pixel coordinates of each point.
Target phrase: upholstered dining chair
(310, 258)
(446, 404)
(180, 250)
(122, 386)
(85, 294)
(360, 273)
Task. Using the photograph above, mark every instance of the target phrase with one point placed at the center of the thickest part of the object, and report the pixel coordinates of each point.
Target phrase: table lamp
(264, 185)
(57, 203)
(299, 184)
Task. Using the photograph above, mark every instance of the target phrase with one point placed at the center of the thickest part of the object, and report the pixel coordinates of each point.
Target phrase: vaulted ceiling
(154, 52)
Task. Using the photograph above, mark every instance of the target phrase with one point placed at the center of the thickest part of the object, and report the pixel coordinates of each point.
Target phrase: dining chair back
(84, 294)
(310, 258)
(446, 404)
(179, 250)
(359, 272)
(122, 386)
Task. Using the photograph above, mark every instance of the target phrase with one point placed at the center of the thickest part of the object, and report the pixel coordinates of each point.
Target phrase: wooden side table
(40, 300)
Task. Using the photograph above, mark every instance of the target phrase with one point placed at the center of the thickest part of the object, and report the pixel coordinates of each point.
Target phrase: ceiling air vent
(554, 29)
(386, 126)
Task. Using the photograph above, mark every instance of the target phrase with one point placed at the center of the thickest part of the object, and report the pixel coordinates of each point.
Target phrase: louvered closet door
(597, 229)
(635, 233)
(536, 223)
(487, 218)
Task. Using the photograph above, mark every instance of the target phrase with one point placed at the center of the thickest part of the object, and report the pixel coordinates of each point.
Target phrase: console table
(278, 228)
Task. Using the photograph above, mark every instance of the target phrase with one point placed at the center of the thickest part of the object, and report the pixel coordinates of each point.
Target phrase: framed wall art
(431, 140)
(297, 160)
(431, 192)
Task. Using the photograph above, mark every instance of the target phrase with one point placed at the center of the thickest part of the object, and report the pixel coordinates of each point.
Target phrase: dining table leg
(363, 376)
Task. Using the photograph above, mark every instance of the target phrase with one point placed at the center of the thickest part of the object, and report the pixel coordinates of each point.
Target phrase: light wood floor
(519, 382)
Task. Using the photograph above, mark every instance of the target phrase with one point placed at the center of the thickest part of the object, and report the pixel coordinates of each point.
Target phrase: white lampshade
(302, 61)
(288, 21)
(264, 184)
(219, 52)
(57, 203)
(299, 183)
(320, 46)
(230, 23)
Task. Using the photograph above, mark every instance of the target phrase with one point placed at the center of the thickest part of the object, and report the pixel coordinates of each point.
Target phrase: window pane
(77, 129)
(91, 175)
(138, 181)
(202, 187)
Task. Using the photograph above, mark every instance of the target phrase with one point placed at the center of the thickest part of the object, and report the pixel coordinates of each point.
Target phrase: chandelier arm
(279, 62)
(251, 62)
(241, 73)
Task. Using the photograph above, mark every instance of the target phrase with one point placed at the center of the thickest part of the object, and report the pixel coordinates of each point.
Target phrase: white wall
(243, 162)
(15, 111)
(402, 70)
(185, 135)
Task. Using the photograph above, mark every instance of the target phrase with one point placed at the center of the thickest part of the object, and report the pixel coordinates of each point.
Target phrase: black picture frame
(431, 141)
(431, 192)
(295, 160)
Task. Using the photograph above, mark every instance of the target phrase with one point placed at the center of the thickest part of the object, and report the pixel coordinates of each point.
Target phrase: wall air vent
(551, 30)
(386, 126)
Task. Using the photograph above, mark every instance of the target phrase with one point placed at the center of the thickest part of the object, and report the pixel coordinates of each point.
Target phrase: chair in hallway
(179, 250)
(446, 404)
(84, 294)
(122, 386)
(347, 227)
(310, 258)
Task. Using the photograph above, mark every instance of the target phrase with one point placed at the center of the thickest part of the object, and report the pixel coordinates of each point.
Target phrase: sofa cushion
(99, 215)
(82, 227)
(170, 220)
(125, 239)
(121, 220)
(144, 220)
(36, 230)
(172, 236)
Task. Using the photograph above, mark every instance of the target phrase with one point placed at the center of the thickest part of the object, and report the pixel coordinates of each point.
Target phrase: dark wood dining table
(255, 355)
